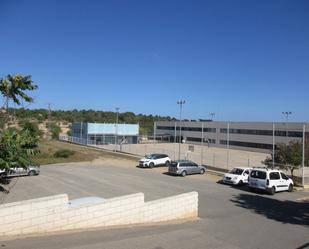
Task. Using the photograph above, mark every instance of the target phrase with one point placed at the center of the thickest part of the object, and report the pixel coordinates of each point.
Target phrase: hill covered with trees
(93, 116)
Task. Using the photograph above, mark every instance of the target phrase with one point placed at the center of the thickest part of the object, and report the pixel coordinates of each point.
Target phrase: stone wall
(52, 214)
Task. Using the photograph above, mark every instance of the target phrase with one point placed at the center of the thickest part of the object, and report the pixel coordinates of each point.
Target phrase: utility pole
(212, 115)
(49, 121)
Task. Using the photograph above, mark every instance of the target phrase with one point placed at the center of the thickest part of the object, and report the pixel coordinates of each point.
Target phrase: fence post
(202, 144)
(228, 146)
(303, 156)
(175, 143)
(273, 145)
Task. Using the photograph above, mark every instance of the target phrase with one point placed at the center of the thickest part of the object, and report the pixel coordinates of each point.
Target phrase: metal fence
(219, 158)
(223, 159)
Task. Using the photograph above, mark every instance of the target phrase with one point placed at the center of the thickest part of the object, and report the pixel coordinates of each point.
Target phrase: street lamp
(286, 115)
(116, 133)
(212, 114)
(180, 103)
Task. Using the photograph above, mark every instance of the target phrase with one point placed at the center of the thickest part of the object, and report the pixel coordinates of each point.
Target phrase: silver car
(18, 171)
(185, 167)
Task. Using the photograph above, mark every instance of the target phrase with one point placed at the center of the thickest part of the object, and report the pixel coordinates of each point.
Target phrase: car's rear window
(173, 164)
(258, 174)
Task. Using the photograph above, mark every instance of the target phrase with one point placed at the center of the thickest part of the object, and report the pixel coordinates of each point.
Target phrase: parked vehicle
(270, 180)
(2, 172)
(18, 171)
(185, 167)
(155, 160)
(237, 176)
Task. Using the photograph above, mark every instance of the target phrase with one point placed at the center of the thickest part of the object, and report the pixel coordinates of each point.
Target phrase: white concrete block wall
(50, 214)
(25, 216)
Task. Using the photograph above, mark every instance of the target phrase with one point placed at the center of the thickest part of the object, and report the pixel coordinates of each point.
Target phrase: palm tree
(14, 87)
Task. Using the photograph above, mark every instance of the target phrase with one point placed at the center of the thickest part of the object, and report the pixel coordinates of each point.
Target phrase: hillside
(64, 119)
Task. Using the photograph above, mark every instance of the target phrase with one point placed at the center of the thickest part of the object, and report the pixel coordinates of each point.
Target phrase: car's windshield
(236, 171)
(150, 156)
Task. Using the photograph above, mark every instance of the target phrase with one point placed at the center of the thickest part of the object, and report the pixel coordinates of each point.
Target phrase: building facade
(106, 133)
(253, 136)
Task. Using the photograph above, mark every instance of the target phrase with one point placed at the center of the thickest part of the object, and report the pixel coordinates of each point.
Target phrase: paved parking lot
(229, 217)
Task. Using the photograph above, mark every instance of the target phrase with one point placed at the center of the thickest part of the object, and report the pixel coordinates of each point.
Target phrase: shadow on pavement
(305, 246)
(283, 211)
(169, 174)
(244, 188)
(4, 181)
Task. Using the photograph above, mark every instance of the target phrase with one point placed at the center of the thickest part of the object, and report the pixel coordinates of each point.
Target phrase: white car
(2, 172)
(155, 160)
(270, 180)
(237, 176)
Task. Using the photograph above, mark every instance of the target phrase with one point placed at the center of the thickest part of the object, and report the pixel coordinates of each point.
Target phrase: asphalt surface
(228, 217)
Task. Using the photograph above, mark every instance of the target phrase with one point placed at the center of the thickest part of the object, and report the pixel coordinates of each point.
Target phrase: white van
(270, 180)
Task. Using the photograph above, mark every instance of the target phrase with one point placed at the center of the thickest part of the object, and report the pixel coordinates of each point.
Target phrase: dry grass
(81, 153)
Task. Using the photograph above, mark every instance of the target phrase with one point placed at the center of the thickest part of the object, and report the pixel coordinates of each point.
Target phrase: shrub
(55, 130)
(63, 153)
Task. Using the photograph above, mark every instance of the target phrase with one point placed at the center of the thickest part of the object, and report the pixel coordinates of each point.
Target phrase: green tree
(287, 156)
(14, 87)
(16, 148)
(55, 130)
(31, 127)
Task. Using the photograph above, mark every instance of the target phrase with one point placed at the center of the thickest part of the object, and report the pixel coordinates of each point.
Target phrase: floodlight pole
(180, 103)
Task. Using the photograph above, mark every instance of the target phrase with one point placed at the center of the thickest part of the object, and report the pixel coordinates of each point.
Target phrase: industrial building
(99, 133)
(253, 136)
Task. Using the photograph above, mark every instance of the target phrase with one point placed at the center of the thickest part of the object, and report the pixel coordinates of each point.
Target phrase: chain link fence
(226, 155)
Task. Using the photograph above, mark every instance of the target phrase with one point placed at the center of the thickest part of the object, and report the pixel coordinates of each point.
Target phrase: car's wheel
(31, 173)
(151, 165)
(240, 183)
(167, 163)
(290, 188)
(272, 191)
(184, 173)
(202, 171)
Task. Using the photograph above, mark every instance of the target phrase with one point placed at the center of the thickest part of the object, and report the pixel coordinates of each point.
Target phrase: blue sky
(244, 60)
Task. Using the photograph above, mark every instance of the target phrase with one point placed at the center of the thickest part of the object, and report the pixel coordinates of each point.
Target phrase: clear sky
(244, 60)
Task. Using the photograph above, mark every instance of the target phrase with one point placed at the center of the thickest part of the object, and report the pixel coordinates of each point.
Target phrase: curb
(304, 188)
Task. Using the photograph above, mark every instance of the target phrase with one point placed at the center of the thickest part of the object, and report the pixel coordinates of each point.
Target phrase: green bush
(64, 153)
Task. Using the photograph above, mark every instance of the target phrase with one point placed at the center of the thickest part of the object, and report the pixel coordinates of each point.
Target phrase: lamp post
(286, 115)
(180, 103)
(116, 133)
(212, 115)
